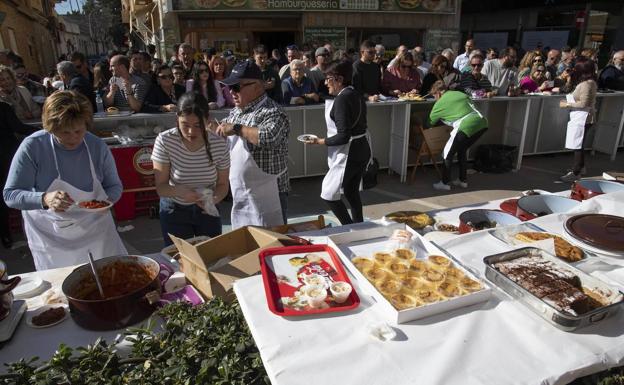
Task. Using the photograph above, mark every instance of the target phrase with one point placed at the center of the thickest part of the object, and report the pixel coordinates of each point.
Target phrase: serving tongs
(95, 275)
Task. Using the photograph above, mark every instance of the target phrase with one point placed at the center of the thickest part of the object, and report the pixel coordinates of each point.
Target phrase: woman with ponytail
(191, 169)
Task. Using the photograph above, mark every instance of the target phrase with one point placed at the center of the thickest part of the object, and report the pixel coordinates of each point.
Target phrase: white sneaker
(441, 186)
(459, 183)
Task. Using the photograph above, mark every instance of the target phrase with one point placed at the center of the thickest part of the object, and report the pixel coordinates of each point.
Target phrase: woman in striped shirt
(191, 167)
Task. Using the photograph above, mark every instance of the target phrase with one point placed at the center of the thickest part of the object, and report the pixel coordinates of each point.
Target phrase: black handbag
(369, 180)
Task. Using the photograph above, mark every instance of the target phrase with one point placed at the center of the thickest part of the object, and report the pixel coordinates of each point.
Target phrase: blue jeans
(186, 221)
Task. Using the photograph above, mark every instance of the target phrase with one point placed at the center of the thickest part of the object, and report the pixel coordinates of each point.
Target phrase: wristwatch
(237, 128)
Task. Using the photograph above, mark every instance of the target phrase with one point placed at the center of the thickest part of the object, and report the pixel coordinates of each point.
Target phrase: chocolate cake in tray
(558, 292)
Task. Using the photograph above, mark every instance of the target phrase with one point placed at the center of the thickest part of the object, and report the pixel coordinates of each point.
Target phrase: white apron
(255, 196)
(337, 156)
(59, 239)
(455, 125)
(576, 127)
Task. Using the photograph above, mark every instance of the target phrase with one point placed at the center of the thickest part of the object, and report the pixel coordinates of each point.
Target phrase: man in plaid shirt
(263, 128)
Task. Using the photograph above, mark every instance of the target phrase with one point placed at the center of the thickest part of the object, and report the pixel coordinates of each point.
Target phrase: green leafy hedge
(205, 344)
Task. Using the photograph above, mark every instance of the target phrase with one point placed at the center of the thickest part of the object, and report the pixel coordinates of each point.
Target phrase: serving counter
(534, 124)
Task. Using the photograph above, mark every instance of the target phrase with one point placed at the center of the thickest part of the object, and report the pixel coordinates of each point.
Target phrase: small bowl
(468, 219)
(340, 291)
(533, 206)
(588, 188)
(315, 294)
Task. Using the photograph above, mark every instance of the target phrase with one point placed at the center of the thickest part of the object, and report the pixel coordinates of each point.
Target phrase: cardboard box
(242, 246)
(366, 242)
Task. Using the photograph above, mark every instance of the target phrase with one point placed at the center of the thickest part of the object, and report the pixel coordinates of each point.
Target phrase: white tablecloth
(28, 342)
(497, 342)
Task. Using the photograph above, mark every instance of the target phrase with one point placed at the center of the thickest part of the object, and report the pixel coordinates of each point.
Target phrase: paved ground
(537, 172)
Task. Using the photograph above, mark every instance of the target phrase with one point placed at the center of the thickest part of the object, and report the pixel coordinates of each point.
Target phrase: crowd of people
(197, 162)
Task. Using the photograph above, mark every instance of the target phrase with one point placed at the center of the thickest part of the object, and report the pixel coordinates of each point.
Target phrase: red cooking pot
(533, 206)
(6, 285)
(588, 188)
(125, 304)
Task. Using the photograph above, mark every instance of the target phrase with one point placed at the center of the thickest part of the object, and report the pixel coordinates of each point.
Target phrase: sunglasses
(477, 65)
(239, 86)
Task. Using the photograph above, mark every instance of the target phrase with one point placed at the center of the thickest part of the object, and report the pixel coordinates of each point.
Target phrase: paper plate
(28, 287)
(40, 310)
(110, 204)
(305, 137)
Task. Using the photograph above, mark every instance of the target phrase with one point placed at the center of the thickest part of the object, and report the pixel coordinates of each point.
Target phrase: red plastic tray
(288, 269)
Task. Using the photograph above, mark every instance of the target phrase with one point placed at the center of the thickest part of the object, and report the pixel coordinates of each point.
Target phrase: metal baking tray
(560, 319)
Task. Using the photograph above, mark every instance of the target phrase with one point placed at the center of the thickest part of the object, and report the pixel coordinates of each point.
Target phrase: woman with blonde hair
(536, 80)
(17, 96)
(402, 76)
(55, 169)
(528, 61)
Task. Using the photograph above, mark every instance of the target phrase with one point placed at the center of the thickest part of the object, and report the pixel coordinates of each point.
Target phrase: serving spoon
(95, 274)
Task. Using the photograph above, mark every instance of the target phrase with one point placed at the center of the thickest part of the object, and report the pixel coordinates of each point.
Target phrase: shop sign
(429, 6)
(337, 36)
(437, 40)
(142, 161)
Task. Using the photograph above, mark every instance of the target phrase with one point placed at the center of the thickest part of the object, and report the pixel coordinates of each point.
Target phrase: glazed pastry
(362, 263)
(418, 267)
(469, 284)
(448, 289)
(383, 258)
(402, 301)
(398, 268)
(433, 276)
(439, 261)
(389, 286)
(375, 274)
(405, 254)
(427, 296)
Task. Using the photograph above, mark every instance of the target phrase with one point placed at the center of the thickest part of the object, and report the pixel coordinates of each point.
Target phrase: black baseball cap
(244, 70)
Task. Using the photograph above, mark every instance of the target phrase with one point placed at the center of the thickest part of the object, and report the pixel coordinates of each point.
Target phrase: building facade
(238, 25)
(28, 28)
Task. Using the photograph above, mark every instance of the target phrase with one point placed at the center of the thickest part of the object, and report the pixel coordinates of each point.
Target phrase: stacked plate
(600, 233)
(28, 287)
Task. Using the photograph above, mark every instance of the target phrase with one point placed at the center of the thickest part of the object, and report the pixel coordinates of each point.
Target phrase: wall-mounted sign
(337, 36)
(438, 39)
(429, 6)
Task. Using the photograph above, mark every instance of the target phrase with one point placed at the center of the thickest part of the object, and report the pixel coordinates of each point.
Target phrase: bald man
(552, 60)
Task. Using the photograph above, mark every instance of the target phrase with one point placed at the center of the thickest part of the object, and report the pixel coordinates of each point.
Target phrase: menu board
(417, 6)
(337, 36)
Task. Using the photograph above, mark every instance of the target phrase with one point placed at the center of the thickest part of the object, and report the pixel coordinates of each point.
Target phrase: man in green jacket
(455, 109)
